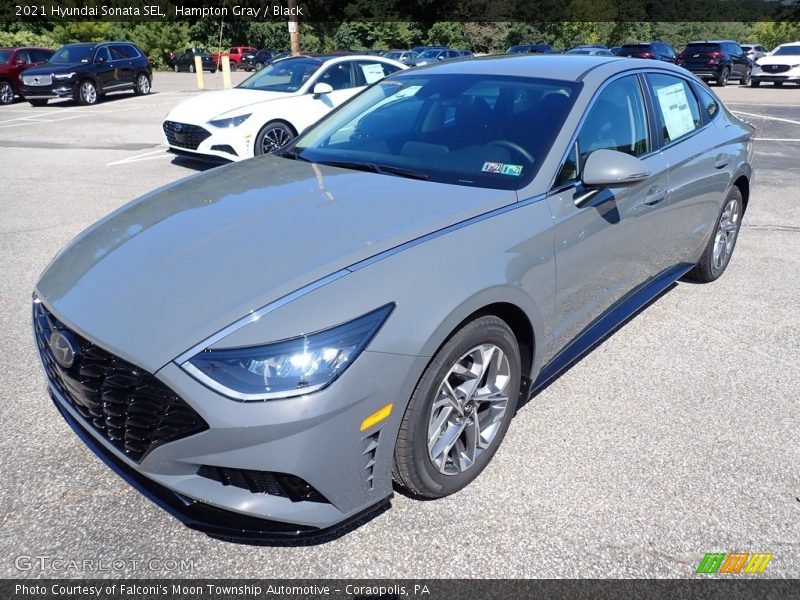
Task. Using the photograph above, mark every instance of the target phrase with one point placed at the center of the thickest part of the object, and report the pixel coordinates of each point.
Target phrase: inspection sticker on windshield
(502, 168)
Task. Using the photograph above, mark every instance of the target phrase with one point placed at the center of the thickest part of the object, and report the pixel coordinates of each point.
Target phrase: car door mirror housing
(99, 60)
(322, 88)
(609, 168)
(20, 62)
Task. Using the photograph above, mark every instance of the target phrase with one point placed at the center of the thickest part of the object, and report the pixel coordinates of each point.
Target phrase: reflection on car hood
(189, 259)
(206, 106)
(48, 68)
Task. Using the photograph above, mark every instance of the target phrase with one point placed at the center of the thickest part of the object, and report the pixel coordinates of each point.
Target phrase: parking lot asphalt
(677, 436)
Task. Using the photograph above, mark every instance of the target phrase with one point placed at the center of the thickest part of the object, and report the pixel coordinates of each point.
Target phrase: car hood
(788, 59)
(48, 68)
(206, 106)
(165, 272)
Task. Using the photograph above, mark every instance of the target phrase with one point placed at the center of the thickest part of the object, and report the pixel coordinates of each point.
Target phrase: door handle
(655, 195)
(721, 161)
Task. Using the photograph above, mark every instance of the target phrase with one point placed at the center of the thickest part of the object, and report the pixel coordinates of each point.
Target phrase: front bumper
(789, 77)
(201, 141)
(47, 92)
(316, 438)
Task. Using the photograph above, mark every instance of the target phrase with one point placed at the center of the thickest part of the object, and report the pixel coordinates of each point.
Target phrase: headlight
(63, 76)
(230, 122)
(290, 367)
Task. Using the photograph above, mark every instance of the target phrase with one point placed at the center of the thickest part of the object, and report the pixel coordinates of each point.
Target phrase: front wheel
(718, 251)
(142, 87)
(259, 66)
(460, 410)
(6, 93)
(175, 68)
(722, 80)
(273, 136)
(87, 92)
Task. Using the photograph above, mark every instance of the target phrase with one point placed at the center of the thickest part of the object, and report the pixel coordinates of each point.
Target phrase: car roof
(568, 67)
(712, 42)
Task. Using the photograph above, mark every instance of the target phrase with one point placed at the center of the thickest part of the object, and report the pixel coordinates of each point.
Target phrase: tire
(191, 68)
(456, 416)
(142, 87)
(176, 69)
(38, 102)
(722, 80)
(233, 67)
(6, 92)
(745, 80)
(754, 83)
(259, 66)
(273, 135)
(720, 247)
(87, 93)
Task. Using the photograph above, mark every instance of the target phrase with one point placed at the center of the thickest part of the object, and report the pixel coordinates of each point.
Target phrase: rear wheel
(87, 92)
(175, 68)
(718, 251)
(6, 93)
(460, 410)
(745, 80)
(722, 80)
(142, 87)
(273, 135)
(233, 66)
(259, 66)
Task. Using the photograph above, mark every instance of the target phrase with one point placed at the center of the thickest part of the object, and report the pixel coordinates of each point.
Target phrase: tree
(82, 31)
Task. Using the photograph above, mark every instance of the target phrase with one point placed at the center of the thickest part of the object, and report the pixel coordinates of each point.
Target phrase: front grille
(130, 407)
(184, 135)
(264, 482)
(37, 79)
(775, 68)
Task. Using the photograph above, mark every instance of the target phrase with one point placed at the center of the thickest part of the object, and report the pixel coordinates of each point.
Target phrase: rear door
(697, 166)
(606, 248)
(122, 59)
(739, 61)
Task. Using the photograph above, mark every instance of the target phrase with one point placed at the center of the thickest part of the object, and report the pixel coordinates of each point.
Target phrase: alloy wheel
(88, 92)
(6, 93)
(469, 409)
(275, 138)
(725, 236)
(143, 84)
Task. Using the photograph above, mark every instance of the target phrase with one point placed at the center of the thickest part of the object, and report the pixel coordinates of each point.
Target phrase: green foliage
(26, 38)
(155, 39)
(448, 33)
(774, 34)
(82, 31)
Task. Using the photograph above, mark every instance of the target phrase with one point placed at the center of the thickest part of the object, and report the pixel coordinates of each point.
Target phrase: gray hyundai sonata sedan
(264, 348)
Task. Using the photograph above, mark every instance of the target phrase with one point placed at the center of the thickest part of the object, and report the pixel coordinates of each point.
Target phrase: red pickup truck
(236, 53)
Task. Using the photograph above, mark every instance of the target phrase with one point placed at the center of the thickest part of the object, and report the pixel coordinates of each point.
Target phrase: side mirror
(20, 62)
(322, 88)
(609, 168)
(99, 60)
(440, 57)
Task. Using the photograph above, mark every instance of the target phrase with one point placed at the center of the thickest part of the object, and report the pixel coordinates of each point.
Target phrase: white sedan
(271, 107)
(780, 66)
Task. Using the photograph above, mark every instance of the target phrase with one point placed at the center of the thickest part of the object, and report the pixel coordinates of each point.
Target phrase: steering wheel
(509, 145)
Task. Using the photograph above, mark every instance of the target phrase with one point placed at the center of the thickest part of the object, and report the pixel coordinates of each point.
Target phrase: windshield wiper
(292, 153)
(376, 168)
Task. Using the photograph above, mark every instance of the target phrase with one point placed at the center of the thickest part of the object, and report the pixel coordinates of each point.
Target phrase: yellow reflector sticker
(376, 417)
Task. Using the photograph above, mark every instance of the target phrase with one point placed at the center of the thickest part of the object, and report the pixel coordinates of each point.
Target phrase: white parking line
(161, 152)
(739, 112)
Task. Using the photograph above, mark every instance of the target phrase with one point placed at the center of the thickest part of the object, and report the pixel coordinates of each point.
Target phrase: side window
(102, 55)
(677, 111)
(707, 100)
(616, 121)
(337, 76)
(116, 53)
(127, 51)
(569, 172)
(737, 49)
(368, 72)
(40, 56)
(23, 55)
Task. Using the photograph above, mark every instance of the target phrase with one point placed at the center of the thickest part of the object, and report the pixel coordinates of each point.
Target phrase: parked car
(234, 54)
(421, 49)
(86, 72)
(615, 50)
(532, 49)
(186, 62)
(404, 56)
(780, 66)
(651, 50)
(589, 51)
(465, 53)
(754, 51)
(13, 62)
(255, 61)
(260, 348)
(432, 56)
(720, 60)
(269, 108)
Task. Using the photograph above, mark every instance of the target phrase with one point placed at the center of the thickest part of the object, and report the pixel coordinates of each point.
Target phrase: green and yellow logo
(734, 562)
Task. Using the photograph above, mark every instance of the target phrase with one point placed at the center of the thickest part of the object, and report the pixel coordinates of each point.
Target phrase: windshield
(787, 51)
(393, 55)
(430, 54)
(285, 76)
(473, 130)
(73, 54)
(4, 56)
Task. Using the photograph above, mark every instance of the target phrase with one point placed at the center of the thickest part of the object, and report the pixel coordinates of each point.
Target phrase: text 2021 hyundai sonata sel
(263, 348)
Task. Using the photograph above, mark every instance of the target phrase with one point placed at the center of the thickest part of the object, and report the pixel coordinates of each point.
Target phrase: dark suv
(85, 72)
(719, 60)
(652, 50)
(13, 61)
(255, 61)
